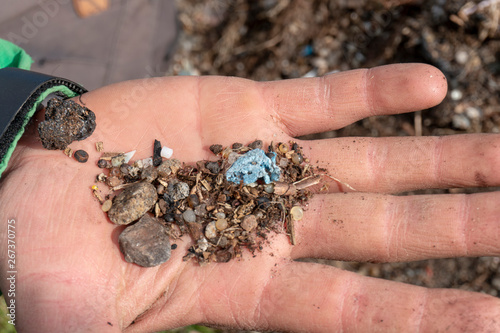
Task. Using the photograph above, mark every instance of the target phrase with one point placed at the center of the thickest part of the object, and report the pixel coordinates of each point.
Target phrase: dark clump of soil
(65, 122)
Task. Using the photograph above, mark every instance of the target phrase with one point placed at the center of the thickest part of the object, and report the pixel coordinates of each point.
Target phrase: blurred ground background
(280, 39)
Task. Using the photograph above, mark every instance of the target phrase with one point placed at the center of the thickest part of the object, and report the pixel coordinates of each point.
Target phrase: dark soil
(65, 122)
(280, 39)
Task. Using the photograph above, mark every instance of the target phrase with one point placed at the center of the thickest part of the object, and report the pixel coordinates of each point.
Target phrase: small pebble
(297, 213)
(297, 158)
(189, 216)
(213, 167)
(473, 113)
(81, 156)
(283, 148)
(257, 144)
(99, 146)
(211, 230)
(176, 191)
(220, 215)
(269, 188)
(132, 203)
(461, 122)
(193, 200)
(168, 167)
(456, 95)
(216, 149)
(146, 243)
(113, 181)
(249, 222)
(149, 174)
(223, 241)
(201, 210)
(115, 172)
(221, 224)
(283, 163)
(106, 205)
(173, 247)
(103, 164)
(237, 145)
(203, 244)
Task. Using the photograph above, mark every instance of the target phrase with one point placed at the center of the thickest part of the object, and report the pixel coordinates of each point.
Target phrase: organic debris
(224, 205)
(65, 122)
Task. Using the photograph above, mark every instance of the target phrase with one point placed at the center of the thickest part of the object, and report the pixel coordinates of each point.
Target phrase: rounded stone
(132, 203)
(189, 216)
(81, 156)
(211, 230)
(249, 222)
(221, 224)
(146, 243)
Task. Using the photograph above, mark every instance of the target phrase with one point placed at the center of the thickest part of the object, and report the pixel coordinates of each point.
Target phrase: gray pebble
(213, 167)
(177, 191)
(189, 216)
(146, 243)
(132, 203)
(460, 121)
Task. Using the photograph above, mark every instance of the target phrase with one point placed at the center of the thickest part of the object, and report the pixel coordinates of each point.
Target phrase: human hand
(72, 276)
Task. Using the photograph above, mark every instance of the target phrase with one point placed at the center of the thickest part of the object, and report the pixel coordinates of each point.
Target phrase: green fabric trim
(63, 89)
(12, 55)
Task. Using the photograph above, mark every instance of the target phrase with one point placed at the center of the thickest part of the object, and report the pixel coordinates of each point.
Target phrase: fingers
(383, 228)
(409, 163)
(306, 106)
(315, 298)
(273, 293)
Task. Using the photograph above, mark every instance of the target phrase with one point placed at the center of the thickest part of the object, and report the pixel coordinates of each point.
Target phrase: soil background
(281, 39)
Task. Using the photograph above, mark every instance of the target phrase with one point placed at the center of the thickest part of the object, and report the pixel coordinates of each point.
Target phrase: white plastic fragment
(166, 152)
(129, 155)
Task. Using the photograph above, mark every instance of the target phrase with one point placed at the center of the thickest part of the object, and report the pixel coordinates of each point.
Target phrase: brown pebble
(257, 144)
(113, 181)
(216, 149)
(249, 222)
(81, 156)
(103, 164)
(106, 205)
(146, 243)
(237, 145)
(99, 146)
(132, 203)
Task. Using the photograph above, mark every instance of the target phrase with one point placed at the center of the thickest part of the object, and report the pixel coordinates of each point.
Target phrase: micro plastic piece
(252, 166)
(166, 152)
(128, 156)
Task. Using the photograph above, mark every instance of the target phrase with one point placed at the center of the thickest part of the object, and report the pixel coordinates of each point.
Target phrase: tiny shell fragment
(132, 203)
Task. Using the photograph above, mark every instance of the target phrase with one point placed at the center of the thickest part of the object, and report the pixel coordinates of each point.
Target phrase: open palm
(72, 276)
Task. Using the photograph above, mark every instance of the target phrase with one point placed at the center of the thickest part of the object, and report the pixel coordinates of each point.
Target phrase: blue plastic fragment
(252, 166)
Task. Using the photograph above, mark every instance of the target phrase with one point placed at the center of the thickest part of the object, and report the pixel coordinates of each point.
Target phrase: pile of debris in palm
(224, 205)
